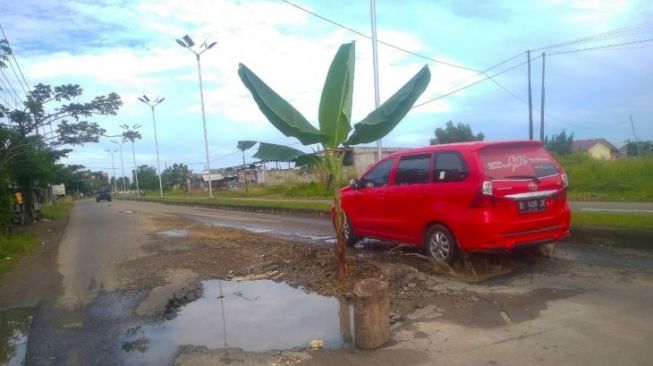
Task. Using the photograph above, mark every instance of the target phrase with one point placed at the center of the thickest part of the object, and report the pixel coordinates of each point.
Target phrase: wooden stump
(372, 313)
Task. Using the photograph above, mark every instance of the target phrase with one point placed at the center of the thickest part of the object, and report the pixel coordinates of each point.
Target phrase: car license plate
(534, 205)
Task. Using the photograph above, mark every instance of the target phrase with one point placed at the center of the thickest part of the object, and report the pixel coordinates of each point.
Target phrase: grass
(622, 221)
(281, 204)
(13, 247)
(604, 180)
(56, 211)
(293, 190)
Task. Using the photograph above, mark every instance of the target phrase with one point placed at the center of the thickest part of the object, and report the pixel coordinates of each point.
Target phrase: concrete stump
(372, 313)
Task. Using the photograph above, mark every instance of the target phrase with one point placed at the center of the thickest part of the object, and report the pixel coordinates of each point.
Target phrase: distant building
(596, 148)
(358, 159)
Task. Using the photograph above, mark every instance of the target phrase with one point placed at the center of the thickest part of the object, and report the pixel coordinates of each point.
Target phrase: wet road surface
(588, 305)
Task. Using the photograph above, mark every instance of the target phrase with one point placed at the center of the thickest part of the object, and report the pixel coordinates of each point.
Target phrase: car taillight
(485, 197)
(565, 179)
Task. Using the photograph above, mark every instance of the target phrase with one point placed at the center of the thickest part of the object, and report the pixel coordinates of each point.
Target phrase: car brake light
(565, 179)
(485, 197)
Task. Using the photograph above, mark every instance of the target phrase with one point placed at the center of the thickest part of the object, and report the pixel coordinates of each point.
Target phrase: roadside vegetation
(316, 206)
(13, 247)
(605, 180)
(614, 220)
(57, 211)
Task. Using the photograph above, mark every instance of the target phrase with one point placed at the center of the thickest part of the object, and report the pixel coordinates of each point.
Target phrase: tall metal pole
(530, 99)
(113, 167)
(634, 134)
(156, 144)
(138, 192)
(542, 106)
(122, 166)
(206, 141)
(375, 61)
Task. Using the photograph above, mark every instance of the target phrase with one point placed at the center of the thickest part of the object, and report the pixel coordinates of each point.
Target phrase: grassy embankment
(18, 244)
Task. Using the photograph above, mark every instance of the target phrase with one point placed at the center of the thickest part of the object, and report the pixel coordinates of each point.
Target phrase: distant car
(104, 195)
(464, 197)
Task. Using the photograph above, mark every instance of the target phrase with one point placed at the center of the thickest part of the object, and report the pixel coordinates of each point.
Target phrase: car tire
(350, 235)
(440, 244)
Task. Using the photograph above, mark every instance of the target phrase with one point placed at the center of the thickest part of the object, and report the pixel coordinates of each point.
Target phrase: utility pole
(634, 134)
(542, 106)
(530, 98)
(375, 61)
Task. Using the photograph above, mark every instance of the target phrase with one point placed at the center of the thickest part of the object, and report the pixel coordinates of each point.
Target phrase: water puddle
(14, 329)
(177, 233)
(256, 316)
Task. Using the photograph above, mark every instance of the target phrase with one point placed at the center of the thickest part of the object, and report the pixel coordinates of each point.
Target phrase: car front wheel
(350, 234)
(440, 244)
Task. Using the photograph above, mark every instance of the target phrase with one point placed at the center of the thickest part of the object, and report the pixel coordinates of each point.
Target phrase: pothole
(255, 316)
(14, 330)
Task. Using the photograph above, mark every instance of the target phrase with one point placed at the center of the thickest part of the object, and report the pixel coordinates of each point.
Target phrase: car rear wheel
(440, 244)
(350, 234)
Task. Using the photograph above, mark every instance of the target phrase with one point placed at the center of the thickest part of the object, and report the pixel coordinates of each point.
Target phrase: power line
(9, 88)
(378, 40)
(602, 47)
(13, 55)
(613, 34)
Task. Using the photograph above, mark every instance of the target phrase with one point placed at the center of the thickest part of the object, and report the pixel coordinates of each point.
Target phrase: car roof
(466, 146)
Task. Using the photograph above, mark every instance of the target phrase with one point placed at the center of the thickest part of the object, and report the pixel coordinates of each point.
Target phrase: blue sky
(128, 47)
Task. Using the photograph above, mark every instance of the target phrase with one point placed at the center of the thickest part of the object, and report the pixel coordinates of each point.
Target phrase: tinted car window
(380, 174)
(517, 162)
(413, 169)
(450, 167)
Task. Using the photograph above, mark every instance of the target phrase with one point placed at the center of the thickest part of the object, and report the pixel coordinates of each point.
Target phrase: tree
(644, 148)
(334, 118)
(174, 176)
(559, 144)
(147, 177)
(461, 132)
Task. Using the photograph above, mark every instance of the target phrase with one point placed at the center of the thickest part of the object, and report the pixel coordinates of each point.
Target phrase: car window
(449, 167)
(517, 162)
(380, 175)
(413, 169)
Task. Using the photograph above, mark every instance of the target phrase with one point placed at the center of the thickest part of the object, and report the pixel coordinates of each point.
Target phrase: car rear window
(517, 161)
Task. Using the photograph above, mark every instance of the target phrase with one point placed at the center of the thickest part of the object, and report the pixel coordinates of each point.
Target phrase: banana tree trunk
(341, 247)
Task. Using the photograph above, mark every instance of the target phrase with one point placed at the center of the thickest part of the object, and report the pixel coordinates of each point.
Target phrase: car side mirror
(354, 183)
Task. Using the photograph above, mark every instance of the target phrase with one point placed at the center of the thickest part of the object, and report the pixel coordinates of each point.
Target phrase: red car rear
(477, 196)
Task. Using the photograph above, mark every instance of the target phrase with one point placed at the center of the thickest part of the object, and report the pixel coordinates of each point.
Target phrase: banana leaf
(336, 100)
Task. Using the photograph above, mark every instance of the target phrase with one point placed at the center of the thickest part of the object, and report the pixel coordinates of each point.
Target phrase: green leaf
(278, 111)
(246, 144)
(274, 152)
(384, 119)
(337, 93)
(308, 160)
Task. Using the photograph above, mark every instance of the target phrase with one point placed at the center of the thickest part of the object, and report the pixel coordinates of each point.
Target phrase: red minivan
(463, 197)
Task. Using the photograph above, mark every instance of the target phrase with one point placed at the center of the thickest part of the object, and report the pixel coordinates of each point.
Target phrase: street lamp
(113, 167)
(122, 165)
(131, 134)
(187, 43)
(153, 104)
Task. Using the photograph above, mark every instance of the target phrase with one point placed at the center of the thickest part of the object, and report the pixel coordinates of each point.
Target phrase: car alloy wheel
(440, 244)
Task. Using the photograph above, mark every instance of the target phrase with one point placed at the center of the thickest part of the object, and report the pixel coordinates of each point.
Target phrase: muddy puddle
(14, 329)
(177, 233)
(255, 316)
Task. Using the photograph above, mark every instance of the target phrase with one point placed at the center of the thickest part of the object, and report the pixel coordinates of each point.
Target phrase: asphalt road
(588, 305)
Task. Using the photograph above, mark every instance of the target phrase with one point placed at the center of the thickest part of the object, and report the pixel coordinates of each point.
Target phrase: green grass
(13, 247)
(56, 211)
(281, 204)
(296, 190)
(622, 221)
(600, 180)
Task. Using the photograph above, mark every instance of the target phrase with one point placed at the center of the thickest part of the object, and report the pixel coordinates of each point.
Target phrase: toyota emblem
(532, 186)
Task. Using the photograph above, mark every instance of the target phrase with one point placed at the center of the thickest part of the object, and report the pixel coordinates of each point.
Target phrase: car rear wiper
(536, 179)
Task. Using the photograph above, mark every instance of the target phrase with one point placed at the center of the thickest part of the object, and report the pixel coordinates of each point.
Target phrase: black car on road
(103, 195)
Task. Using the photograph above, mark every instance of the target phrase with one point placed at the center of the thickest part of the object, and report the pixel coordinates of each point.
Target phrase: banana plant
(334, 121)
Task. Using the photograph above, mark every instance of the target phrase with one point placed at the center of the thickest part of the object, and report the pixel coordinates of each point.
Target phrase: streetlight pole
(113, 167)
(375, 62)
(187, 43)
(131, 134)
(153, 104)
(122, 165)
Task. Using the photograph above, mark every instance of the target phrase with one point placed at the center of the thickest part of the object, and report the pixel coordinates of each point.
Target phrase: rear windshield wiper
(536, 179)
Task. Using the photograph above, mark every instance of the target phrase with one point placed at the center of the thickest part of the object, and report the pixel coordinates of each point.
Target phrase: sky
(129, 47)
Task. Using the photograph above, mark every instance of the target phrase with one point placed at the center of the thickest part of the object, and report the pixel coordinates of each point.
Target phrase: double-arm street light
(131, 133)
(152, 104)
(122, 164)
(113, 167)
(187, 43)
